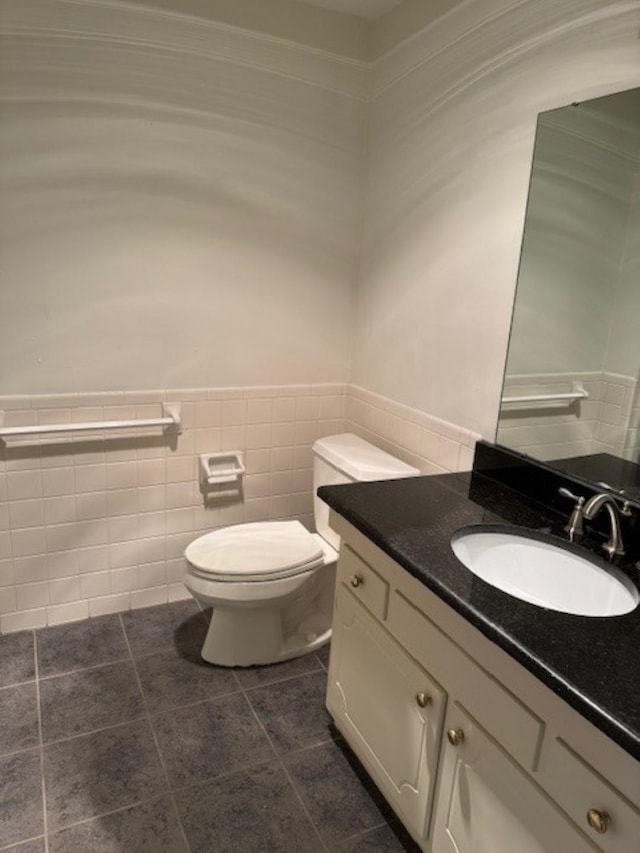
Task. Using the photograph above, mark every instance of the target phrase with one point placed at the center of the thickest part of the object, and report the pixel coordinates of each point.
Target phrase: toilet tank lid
(360, 460)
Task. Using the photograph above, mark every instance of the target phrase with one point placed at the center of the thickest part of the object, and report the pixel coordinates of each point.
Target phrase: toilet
(271, 583)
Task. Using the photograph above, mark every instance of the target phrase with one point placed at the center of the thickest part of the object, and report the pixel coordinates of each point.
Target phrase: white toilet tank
(347, 458)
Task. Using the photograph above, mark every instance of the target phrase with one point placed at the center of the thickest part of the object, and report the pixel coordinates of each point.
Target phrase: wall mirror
(571, 395)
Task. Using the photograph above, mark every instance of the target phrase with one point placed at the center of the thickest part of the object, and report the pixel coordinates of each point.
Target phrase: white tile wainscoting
(98, 524)
(429, 443)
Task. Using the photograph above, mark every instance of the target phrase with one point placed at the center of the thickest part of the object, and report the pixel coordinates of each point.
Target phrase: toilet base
(261, 623)
(251, 636)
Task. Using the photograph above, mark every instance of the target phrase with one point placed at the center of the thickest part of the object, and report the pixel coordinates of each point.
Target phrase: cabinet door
(388, 708)
(486, 804)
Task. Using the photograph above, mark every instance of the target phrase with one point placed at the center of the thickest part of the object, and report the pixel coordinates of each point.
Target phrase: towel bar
(171, 420)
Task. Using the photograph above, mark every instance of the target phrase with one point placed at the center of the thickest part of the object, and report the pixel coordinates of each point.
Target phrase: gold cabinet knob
(598, 820)
(455, 736)
(356, 580)
(423, 699)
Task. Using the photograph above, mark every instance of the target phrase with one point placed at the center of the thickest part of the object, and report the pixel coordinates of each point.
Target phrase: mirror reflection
(571, 393)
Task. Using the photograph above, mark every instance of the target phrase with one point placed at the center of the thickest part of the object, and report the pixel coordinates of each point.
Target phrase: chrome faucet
(614, 546)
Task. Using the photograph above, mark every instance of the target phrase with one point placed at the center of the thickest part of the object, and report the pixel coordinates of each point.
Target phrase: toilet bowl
(270, 584)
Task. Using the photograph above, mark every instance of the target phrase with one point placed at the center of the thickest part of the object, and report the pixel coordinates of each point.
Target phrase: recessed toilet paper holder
(217, 468)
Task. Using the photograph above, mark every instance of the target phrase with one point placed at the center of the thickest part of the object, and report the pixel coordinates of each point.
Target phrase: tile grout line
(20, 751)
(252, 687)
(90, 732)
(170, 709)
(99, 816)
(83, 668)
(364, 832)
(157, 745)
(12, 846)
(43, 785)
(17, 683)
(283, 767)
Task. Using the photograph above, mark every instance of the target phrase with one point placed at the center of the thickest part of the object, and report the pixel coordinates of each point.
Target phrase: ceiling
(369, 9)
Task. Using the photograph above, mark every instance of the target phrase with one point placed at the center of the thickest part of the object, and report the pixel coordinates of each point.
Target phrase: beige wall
(452, 124)
(180, 196)
(178, 202)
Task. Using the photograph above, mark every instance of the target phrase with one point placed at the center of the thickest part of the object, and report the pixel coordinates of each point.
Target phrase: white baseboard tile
(148, 597)
(106, 604)
(58, 614)
(23, 620)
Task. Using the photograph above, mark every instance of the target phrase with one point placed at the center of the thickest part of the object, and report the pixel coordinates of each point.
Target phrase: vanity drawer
(578, 788)
(497, 710)
(363, 582)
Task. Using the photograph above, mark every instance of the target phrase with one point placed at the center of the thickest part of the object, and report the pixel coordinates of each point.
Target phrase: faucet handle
(617, 492)
(567, 494)
(574, 526)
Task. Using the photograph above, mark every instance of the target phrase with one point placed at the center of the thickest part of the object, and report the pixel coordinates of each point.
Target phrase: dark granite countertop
(590, 662)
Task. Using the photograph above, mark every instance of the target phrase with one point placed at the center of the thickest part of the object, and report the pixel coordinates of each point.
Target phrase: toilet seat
(257, 551)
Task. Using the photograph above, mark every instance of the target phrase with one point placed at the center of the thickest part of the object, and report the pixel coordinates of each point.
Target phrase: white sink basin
(544, 574)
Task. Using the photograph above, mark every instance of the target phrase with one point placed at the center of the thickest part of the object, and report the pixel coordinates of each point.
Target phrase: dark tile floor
(115, 737)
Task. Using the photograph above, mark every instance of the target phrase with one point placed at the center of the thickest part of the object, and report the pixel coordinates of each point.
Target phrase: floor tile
(94, 774)
(21, 813)
(91, 699)
(384, 839)
(18, 718)
(257, 676)
(107, 789)
(36, 846)
(293, 712)
(206, 740)
(28, 847)
(148, 828)
(323, 655)
(172, 677)
(64, 648)
(252, 811)
(180, 624)
(17, 659)
(331, 785)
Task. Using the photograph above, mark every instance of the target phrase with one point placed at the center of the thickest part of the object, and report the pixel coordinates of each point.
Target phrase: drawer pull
(356, 580)
(455, 736)
(423, 699)
(598, 820)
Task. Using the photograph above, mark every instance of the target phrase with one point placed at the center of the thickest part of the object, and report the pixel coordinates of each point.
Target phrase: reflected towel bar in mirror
(577, 393)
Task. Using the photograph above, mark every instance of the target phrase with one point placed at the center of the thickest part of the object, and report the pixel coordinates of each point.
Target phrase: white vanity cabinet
(387, 707)
(473, 753)
(487, 804)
